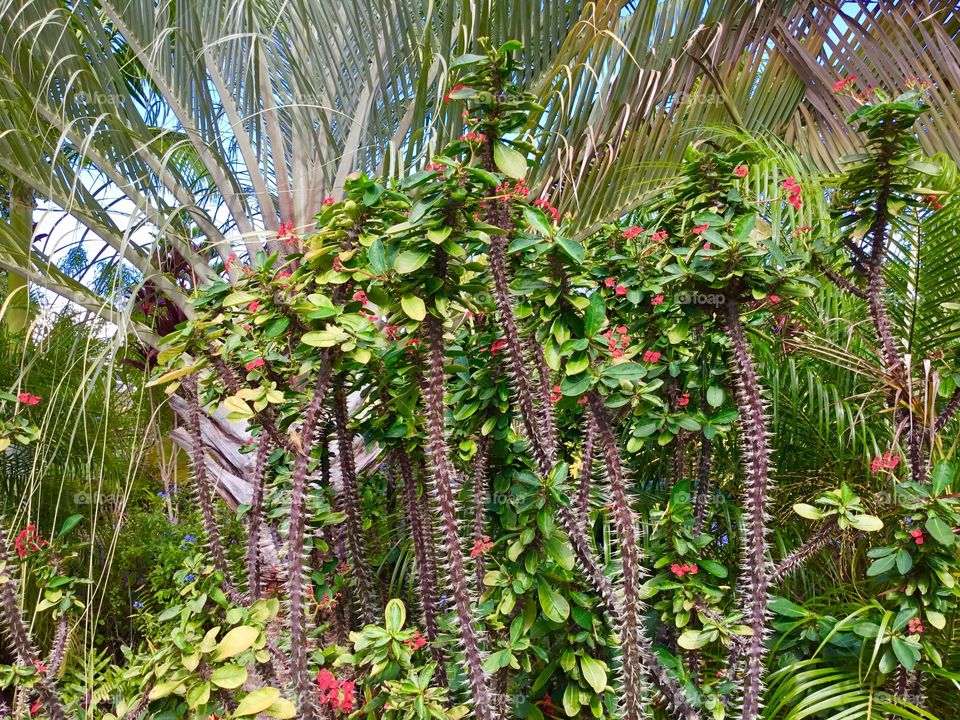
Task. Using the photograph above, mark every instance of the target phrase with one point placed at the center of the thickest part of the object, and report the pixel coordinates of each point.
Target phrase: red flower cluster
(411, 345)
(230, 261)
(254, 364)
(657, 300)
(26, 398)
(741, 171)
(843, 82)
(555, 394)
(286, 232)
(917, 536)
(28, 540)
(660, 235)
(282, 275)
(474, 136)
(801, 230)
(253, 306)
(699, 229)
(547, 208)
(337, 695)
(40, 666)
(624, 340)
(438, 167)
(337, 264)
(447, 98)
(391, 331)
(681, 570)
(360, 296)
(631, 232)
(931, 200)
(326, 602)
(684, 400)
(416, 642)
(497, 346)
(793, 192)
(773, 298)
(481, 546)
(328, 200)
(915, 626)
(651, 356)
(518, 189)
(620, 290)
(884, 462)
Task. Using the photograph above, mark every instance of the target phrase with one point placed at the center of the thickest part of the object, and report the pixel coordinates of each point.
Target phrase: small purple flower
(137, 604)
(163, 495)
(190, 577)
(189, 538)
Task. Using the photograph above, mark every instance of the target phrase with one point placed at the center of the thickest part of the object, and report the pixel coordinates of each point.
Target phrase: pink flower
(230, 261)
(657, 300)
(618, 354)
(360, 296)
(843, 82)
(699, 229)
(914, 626)
(337, 265)
(326, 680)
(555, 394)
(416, 642)
(707, 246)
(328, 200)
(676, 570)
(481, 546)
(254, 364)
(282, 275)
(774, 299)
(660, 235)
(610, 282)
(684, 400)
(793, 189)
(253, 306)
(26, 398)
(632, 232)
(620, 290)
(651, 356)
(741, 171)
(547, 208)
(622, 330)
(474, 136)
(435, 167)
(348, 699)
(35, 708)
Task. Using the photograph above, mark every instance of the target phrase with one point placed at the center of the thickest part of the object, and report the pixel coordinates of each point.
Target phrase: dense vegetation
(682, 467)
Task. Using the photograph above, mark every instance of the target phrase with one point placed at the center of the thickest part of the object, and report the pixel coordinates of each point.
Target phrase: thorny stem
(586, 468)
(635, 646)
(703, 485)
(824, 534)
(442, 491)
(428, 588)
(948, 412)
(298, 498)
(754, 578)
(258, 481)
(480, 502)
(350, 501)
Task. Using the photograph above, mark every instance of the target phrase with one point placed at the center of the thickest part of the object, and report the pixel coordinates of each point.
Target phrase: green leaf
(693, 639)
(714, 568)
(198, 695)
(510, 162)
(555, 607)
(410, 260)
(594, 672)
(939, 530)
(715, 396)
(595, 315)
(257, 701)
(69, 524)
(808, 511)
(572, 248)
(867, 523)
(904, 561)
(377, 257)
(282, 709)
(239, 297)
(906, 654)
(881, 565)
(319, 338)
(942, 477)
(413, 307)
(229, 676)
(497, 660)
(394, 616)
(235, 642)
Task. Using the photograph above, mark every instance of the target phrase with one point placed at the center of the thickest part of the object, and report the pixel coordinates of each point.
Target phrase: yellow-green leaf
(257, 701)
(236, 641)
(229, 676)
(511, 163)
(413, 307)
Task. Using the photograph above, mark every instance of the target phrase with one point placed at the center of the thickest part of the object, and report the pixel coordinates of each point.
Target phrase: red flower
(651, 356)
(657, 300)
(622, 329)
(610, 282)
(497, 346)
(328, 200)
(446, 98)
(282, 275)
(230, 261)
(932, 202)
(360, 296)
(35, 708)
(286, 233)
(707, 246)
(555, 395)
(416, 642)
(660, 235)
(348, 699)
(391, 331)
(27, 399)
(774, 299)
(699, 229)
(793, 189)
(914, 626)
(28, 540)
(481, 546)
(254, 364)
(337, 265)
(473, 136)
(631, 232)
(801, 230)
(684, 400)
(435, 167)
(741, 171)
(547, 208)
(843, 82)
(620, 290)
(676, 570)
(326, 680)
(253, 306)
(41, 666)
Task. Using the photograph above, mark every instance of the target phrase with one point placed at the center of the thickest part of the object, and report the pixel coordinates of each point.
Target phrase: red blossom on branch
(843, 82)
(254, 364)
(26, 398)
(741, 171)
(28, 541)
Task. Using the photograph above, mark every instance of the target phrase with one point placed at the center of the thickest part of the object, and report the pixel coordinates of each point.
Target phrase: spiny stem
(19, 636)
(350, 501)
(586, 468)
(480, 502)
(703, 485)
(442, 490)
(298, 497)
(258, 481)
(948, 413)
(824, 534)
(421, 543)
(754, 576)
